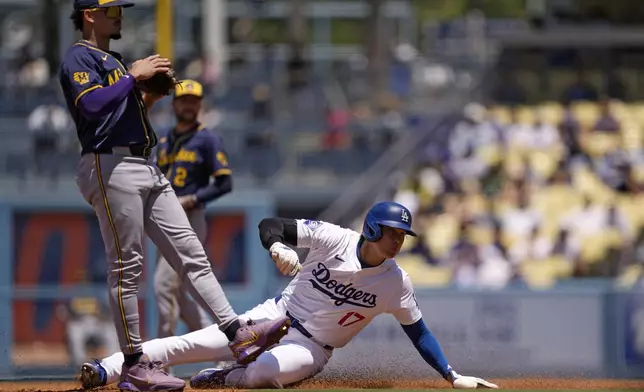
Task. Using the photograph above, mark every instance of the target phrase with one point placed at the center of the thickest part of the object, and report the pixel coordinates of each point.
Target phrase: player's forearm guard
(272, 230)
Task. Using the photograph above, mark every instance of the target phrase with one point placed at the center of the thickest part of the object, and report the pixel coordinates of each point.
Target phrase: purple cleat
(148, 376)
(253, 339)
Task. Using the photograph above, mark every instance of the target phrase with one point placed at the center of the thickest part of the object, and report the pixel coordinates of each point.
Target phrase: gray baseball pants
(173, 300)
(131, 198)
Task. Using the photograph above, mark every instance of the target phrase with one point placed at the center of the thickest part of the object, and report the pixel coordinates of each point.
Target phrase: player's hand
(285, 258)
(148, 67)
(467, 382)
(188, 202)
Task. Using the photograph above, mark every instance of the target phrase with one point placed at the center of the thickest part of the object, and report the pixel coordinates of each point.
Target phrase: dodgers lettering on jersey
(334, 297)
(86, 68)
(190, 159)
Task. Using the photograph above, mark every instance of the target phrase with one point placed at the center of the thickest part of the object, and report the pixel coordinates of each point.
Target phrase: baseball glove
(159, 84)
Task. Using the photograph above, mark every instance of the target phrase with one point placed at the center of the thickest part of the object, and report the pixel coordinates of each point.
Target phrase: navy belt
(295, 323)
(134, 150)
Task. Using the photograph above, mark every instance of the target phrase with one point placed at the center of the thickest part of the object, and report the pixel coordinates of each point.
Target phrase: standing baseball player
(131, 196)
(347, 280)
(190, 156)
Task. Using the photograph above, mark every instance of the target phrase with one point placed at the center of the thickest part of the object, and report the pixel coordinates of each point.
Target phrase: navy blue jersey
(189, 160)
(86, 68)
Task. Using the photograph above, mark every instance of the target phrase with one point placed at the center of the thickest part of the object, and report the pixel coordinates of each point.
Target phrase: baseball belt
(295, 323)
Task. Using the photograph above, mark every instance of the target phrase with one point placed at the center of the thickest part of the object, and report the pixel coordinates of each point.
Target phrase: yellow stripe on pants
(119, 255)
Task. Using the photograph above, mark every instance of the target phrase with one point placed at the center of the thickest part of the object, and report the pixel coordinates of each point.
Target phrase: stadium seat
(594, 248)
(500, 114)
(586, 113)
(442, 233)
(423, 274)
(538, 275)
(551, 112)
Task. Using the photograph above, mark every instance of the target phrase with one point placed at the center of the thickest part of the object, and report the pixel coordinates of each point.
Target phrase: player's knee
(263, 373)
(163, 287)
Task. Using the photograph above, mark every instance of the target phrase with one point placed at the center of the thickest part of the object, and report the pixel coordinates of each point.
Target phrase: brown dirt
(515, 383)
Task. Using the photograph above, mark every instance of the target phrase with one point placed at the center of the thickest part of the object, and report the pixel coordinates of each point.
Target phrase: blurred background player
(88, 327)
(190, 155)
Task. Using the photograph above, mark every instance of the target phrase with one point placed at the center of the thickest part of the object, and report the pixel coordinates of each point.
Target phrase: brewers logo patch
(81, 77)
(221, 158)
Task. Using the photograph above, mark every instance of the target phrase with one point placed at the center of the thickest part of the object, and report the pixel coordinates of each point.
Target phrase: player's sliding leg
(296, 358)
(168, 227)
(205, 345)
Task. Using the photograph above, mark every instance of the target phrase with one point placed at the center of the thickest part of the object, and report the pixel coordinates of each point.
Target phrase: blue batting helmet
(388, 214)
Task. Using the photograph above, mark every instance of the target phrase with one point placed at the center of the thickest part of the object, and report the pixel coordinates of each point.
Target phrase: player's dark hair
(77, 18)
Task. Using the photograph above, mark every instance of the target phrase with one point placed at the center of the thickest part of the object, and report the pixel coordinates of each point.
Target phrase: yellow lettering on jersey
(81, 77)
(162, 159)
(186, 156)
(114, 76)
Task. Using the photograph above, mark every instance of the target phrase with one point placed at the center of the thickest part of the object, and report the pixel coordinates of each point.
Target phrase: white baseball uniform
(333, 298)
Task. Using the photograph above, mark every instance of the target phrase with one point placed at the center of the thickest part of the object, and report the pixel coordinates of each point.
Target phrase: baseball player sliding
(190, 156)
(347, 279)
(130, 195)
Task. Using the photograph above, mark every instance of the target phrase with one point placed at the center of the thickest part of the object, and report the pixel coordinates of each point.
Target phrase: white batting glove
(467, 382)
(285, 258)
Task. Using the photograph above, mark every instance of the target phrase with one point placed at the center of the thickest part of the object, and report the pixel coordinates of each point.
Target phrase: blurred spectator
(600, 228)
(48, 124)
(473, 144)
(531, 137)
(569, 129)
(613, 168)
(520, 220)
(581, 90)
(607, 121)
(565, 246)
(534, 247)
(261, 109)
(474, 265)
(336, 136)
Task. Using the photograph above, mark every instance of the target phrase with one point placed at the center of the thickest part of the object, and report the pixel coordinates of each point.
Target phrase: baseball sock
(131, 359)
(232, 330)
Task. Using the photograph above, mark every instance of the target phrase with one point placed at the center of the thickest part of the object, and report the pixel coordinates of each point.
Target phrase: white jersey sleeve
(404, 307)
(319, 235)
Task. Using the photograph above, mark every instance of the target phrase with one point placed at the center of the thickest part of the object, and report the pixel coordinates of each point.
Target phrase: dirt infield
(518, 383)
(527, 383)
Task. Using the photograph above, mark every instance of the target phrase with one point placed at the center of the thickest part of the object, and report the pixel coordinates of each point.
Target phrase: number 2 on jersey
(180, 177)
(350, 318)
